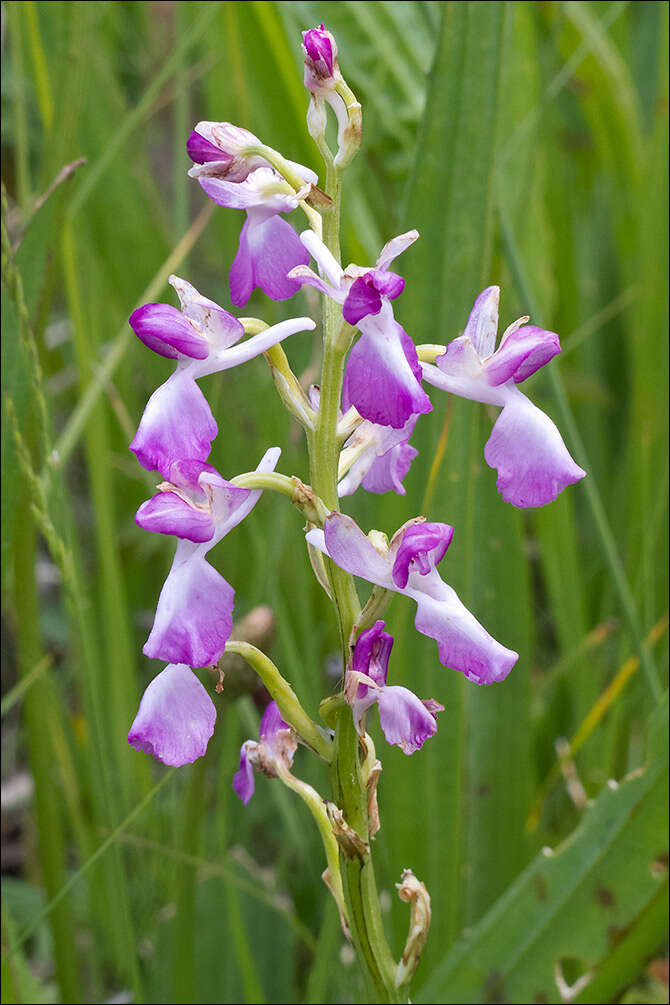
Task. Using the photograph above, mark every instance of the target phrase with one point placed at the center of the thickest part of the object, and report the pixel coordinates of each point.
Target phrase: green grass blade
(555, 922)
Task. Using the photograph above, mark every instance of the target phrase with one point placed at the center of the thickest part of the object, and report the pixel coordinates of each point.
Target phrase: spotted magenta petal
(176, 717)
(525, 447)
(463, 644)
(406, 721)
(177, 422)
(194, 614)
(276, 745)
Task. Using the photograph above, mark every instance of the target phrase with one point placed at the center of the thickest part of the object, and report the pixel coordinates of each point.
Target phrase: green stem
(350, 791)
(286, 698)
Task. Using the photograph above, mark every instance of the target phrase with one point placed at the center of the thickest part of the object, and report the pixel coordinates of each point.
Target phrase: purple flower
(273, 752)
(408, 566)
(175, 719)
(219, 150)
(194, 616)
(378, 458)
(269, 247)
(203, 338)
(321, 69)
(406, 721)
(525, 446)
(383, 375)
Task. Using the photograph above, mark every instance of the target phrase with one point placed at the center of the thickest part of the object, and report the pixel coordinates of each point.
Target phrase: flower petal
(349, 548)
(395, 247)
(421, 548)
(371, 653)
(243, 779)
(463, 644)
(386, 472)
(269, 248)
(241, 278)
(275, 250)
(220, 328)
(202, 151)
(362, 299)
(382, 376)
(404, 718)
(526, 449)
(194, 616)
(176, 717)
(168, 513)
(482, 326)
(230, 503)
(177, 423)
(165, 330)
(521, 354)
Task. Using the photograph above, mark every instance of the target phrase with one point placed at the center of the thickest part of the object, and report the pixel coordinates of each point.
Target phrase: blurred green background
(528, 144)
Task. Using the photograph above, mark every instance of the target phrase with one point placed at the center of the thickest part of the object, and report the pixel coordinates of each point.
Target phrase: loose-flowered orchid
(194, 616)
(406, 721)
(272, 753)
(383, 375)
(408, 565)
(177, 423)
(525, 447)
(269, 246)
(176, 717)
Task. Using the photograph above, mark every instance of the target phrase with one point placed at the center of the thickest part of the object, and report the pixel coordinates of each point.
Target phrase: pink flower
(203, 338)
(406, 721)
(383, 375)
(194, 616)
(408, 566)
(525, 446)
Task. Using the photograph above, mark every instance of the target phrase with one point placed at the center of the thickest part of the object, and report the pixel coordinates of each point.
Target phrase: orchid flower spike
(272, 754)
(525, 447)
(269, 247)
(408, 565)
(176, 717)
(203, 338)
(406, 721)
(383, 375)
(194, 616)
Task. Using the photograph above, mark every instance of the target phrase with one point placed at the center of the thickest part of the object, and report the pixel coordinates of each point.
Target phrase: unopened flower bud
(321, 69)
